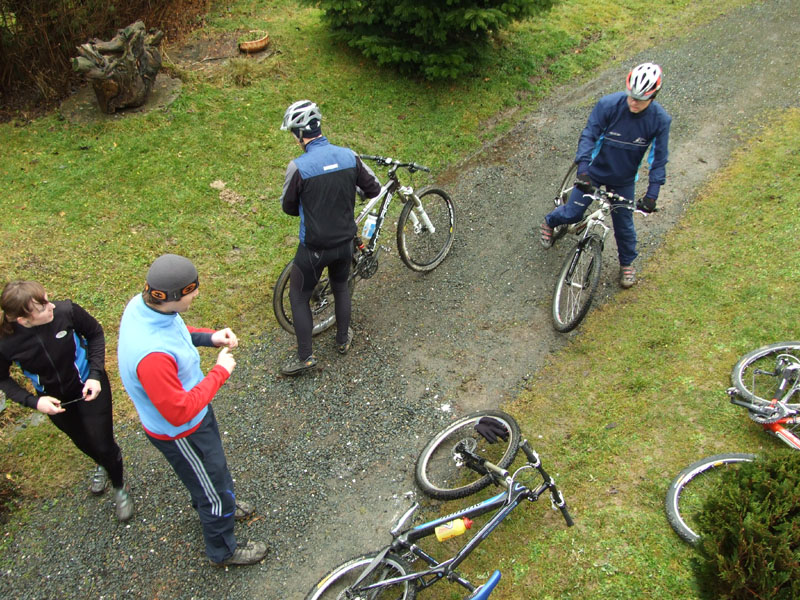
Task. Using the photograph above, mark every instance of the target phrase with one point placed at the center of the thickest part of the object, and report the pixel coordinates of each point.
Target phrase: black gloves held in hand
(491, 429)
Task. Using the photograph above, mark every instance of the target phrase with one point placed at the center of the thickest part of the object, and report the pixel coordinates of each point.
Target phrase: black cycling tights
(90, 427)
(307, 269)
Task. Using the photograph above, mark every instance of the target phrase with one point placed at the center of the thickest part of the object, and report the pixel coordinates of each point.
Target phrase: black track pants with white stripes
(199, 461)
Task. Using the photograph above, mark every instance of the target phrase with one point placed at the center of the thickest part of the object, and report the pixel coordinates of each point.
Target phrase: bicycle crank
(367, 267)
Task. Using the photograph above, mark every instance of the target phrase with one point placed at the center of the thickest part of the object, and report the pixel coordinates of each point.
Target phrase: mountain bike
(455, 463)
(580, 273)
(764, 380)
(425, 230)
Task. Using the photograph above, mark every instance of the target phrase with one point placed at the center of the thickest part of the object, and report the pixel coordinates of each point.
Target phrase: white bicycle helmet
(644, 81)
(302, 115)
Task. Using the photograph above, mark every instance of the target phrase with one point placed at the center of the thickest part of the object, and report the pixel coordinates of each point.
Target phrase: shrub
(437, 39)
(38, 38)
(751, 548)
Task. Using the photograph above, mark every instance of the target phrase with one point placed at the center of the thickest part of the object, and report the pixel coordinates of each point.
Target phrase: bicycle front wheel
(321, 303)
(564, 192)
(335, 583)
(684, 501)
(757, 374)
(438, 473)
(425, 234)
(577, 284)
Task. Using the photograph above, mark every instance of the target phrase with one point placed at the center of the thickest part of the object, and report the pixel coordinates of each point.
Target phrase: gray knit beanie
(171, 277)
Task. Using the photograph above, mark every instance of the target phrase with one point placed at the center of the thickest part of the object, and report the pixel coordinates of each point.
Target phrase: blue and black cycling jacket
(615, 140)
(58, 357)
(320, 188)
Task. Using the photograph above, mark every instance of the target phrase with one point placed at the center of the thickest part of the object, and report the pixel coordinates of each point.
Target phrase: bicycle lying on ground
(580, 274)
(424, 237)
(764, 382)
(456, 462)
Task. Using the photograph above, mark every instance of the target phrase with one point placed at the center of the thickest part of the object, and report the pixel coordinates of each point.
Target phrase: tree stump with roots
(123, 70)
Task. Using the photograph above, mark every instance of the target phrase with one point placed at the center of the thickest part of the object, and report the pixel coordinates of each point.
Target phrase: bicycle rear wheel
(334, 584)
(757, 374)
(420, 248)
(564, 191)
(321, 303)
(683, 503)
(577, 284)
(437, 473)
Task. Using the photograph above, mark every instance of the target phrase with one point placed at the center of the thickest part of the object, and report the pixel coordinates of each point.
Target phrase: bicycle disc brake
(469, 445)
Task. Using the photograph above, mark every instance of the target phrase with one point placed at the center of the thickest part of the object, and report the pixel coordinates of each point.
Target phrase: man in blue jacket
(621, 128)
(320, 188)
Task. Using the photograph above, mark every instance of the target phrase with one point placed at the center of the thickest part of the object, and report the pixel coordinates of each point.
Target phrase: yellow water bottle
(452, 529)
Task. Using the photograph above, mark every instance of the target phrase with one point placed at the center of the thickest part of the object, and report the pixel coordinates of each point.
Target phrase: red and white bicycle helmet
(644, 81)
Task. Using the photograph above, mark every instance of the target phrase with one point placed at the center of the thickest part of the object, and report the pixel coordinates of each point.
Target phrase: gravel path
(328, 458)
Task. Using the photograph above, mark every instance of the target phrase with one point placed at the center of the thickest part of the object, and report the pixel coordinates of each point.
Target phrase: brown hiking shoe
(248, 553)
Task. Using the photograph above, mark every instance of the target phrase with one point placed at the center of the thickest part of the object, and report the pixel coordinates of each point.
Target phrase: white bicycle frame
(418, 216)
(597, 218)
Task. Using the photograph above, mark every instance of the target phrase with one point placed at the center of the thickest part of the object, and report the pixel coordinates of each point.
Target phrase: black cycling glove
(491, 429)
(647, 205)
(583, 183)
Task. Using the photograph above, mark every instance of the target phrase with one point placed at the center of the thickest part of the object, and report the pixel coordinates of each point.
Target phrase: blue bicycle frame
(503, 503)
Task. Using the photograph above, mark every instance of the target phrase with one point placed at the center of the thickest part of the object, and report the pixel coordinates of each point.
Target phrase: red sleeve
(200, 329)
(158, 374)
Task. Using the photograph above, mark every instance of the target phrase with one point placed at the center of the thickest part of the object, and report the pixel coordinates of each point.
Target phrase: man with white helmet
(620, 129)
(320, 188)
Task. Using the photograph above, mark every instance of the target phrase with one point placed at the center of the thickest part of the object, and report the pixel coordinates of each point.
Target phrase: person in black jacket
(320, 188)
(61, 349)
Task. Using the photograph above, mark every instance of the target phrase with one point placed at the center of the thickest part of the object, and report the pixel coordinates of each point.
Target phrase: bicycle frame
(504, 503)
(385, 196)
(777, 417)
(608, 202)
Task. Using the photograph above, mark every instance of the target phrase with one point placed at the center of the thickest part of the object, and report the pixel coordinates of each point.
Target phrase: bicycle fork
(418, 214)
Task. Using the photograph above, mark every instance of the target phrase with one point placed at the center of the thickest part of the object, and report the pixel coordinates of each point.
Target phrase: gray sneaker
(243, 510)
(99, 481)
(247, 553)
(295, 366)
(345, 348)
(124, 502)
(627, 277)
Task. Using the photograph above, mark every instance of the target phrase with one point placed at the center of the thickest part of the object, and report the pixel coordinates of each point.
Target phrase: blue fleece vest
(143, 331)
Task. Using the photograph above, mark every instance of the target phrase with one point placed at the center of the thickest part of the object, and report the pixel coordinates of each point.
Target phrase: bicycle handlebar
(763, 413)
(555, 494)
(589, 190)
(388, 162)
(620, 201)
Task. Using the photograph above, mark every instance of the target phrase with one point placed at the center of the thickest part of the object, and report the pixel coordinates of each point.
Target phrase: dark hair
(15, 301)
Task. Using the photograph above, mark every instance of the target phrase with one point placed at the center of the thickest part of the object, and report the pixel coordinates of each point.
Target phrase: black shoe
(247, 553)
(243, 510)
(345, 348)
(296, 366)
